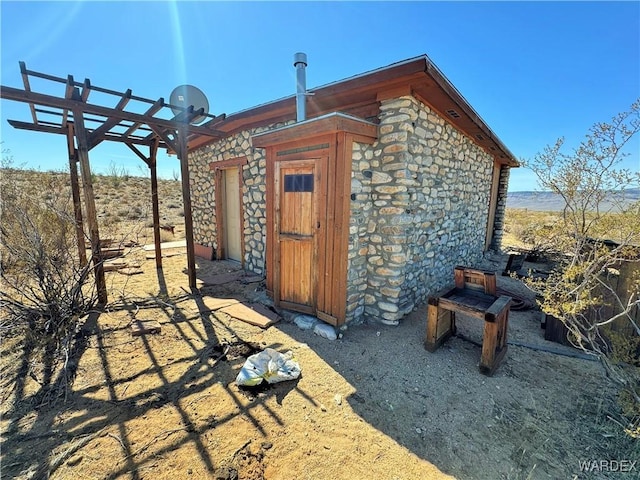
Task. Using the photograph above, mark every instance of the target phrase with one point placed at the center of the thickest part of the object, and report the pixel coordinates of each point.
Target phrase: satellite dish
(185, 96)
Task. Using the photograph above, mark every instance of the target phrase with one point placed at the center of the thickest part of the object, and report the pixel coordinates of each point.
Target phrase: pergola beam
(150, 112)
(96, 136)
(110, 136)
(10, 93)
(27, 87)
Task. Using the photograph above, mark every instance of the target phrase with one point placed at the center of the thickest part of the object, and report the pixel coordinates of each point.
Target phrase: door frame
(319, 209)
(218, 178)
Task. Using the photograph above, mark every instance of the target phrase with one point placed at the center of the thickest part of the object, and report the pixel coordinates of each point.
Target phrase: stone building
(361, 210)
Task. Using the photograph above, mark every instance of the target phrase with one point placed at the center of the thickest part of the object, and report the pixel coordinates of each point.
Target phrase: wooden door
(232, 222)
(297, 184)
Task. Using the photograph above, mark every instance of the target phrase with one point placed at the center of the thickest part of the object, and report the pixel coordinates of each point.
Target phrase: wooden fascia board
(405, 71)
(315, 128)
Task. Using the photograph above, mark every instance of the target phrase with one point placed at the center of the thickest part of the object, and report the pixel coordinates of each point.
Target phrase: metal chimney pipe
(300, 62)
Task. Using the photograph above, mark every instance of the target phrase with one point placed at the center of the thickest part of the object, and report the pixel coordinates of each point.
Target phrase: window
(298, 183)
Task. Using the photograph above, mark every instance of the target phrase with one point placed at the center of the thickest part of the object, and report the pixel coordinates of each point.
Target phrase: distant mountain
(552, 202)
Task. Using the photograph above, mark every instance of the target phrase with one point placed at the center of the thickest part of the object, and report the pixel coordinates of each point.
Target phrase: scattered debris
(142, 327)
(269, 365)
(338, 399)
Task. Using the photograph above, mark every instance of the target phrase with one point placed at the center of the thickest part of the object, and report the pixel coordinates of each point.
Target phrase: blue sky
(533, 71)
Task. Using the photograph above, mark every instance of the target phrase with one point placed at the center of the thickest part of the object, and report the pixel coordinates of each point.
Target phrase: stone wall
(501, 206)
(253, 194)
(425, 196)
(359, 235)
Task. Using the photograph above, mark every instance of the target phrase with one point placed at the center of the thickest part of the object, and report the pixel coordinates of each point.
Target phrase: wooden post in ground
(75, 193)
(153, 150)
(186, 198)
(89, 201)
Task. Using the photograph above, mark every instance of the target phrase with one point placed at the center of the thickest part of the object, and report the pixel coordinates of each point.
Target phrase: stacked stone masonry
(501, 205)
(420, 202)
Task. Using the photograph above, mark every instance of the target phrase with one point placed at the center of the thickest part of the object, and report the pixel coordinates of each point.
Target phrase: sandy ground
(371, 405)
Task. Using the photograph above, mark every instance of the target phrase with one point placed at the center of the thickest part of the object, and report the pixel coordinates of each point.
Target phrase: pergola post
(186, 199)
(75, 193)
(89, 201)
(153, 149)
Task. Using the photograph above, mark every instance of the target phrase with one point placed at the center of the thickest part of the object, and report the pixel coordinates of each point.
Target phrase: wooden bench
(474, 294)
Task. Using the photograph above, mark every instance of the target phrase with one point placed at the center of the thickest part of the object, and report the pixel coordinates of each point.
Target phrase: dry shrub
(45, 290)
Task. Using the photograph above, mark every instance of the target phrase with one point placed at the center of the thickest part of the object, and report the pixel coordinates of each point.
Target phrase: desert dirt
(373, 404)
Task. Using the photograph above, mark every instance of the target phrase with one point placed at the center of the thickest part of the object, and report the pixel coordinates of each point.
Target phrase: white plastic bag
(268, 365)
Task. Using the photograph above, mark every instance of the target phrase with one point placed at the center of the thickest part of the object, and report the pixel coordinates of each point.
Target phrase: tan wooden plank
(166, 245)
(252, 314)
(214, 303)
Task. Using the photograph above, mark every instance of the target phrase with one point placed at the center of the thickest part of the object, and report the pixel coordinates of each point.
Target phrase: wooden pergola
(86, 125)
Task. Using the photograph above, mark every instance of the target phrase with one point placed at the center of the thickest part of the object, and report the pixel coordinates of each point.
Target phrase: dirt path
(372, 405)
